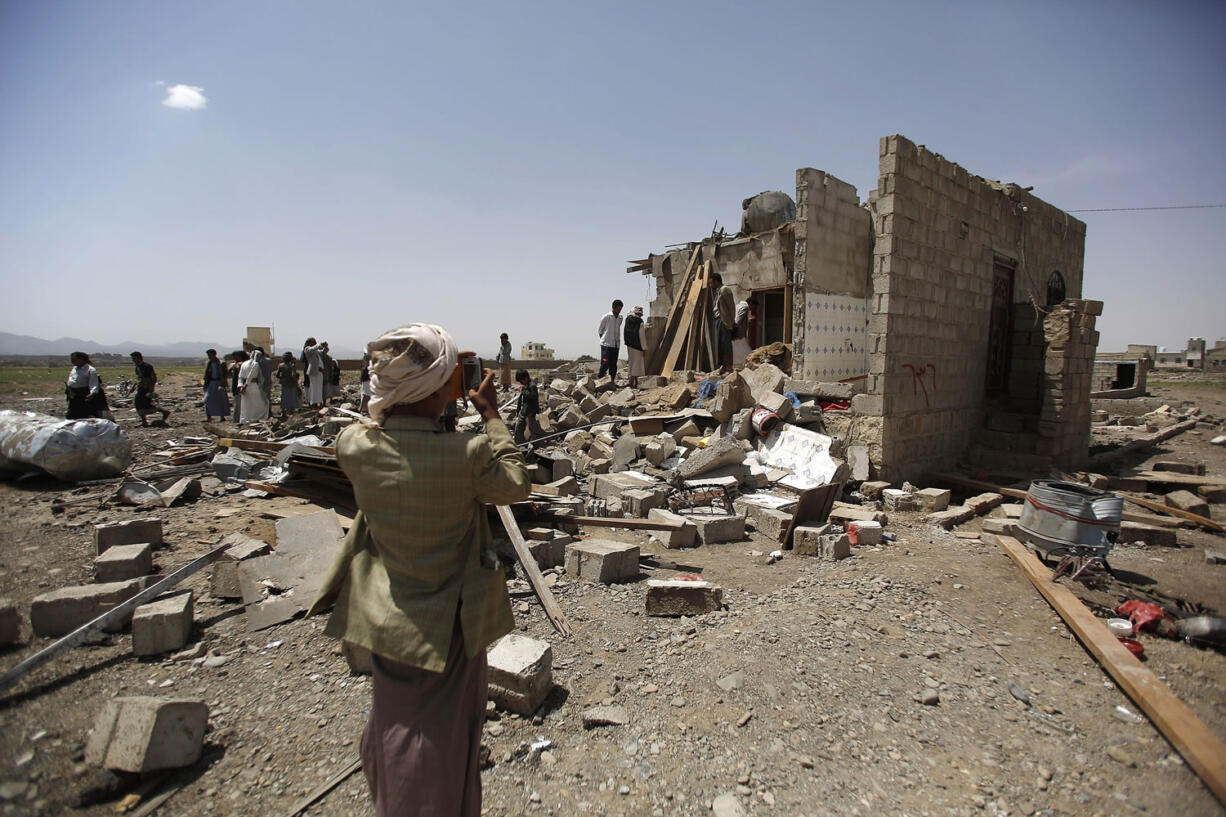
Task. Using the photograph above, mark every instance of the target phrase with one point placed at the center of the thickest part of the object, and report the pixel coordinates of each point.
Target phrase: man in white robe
(315, 373)
(250, 385)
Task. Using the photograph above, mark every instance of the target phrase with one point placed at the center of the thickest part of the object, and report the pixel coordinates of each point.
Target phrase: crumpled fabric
(1144, 615)
(408, 364)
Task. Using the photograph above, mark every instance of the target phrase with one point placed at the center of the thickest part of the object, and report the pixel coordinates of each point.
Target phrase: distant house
(532, 350)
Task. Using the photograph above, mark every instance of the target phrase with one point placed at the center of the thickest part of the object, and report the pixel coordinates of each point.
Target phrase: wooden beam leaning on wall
(672, 357)
(674, 312)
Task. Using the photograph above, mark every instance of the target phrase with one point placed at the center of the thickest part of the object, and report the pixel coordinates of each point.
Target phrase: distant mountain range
(11, 344)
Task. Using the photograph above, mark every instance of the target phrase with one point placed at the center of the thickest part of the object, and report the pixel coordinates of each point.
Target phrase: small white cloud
(185, 98)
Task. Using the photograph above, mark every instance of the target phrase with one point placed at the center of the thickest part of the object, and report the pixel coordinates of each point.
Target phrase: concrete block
(10, 623)
(872, 490)
(563, 467)
(164, 624)
(870, 405)
(763, 380)
(599, 465)
(1214, 494)
(716, 528)
(607, 486)
(659, 448)
(1149, 534)
(1002, 526)
(683, 535)
(858, 462)
(933, 499)
(843, 513)
(640, 501)
(132, 532)
(122, 562)
(981, 504)
(813, 389)
(549, 552)
(520, 673)
(602, 560)
(896, 499)
(675, 597)
(865, 533)
(603, 384)
(773, 401)
(143, 734)
(687, 429)
(1196, 469)
(225, 584)
(807, 412)
(809, 540)
(1187, 501)
(726, 451)
(62, 611)
(771, 522)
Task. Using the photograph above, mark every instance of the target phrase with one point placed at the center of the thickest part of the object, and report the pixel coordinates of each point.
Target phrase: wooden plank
(673, 354)
(674, 313)
(1176, 478)
(534, 572)
(324, 787)
(1203, 750)
(1204, 522)
(977, 485)
(266, 447)
(116, 613)
(628, 524)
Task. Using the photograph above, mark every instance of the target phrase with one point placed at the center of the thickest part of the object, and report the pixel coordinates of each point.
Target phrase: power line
(1133, 209)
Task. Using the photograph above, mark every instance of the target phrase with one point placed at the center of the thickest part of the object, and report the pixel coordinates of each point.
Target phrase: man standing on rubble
(312, 355)
(723, 317)
(527, 408)
(610, 337)
(634, 345)
(745, 329)
(146, 401)
(504, 362)
(287, 376)
(215, 401)
(417, 581)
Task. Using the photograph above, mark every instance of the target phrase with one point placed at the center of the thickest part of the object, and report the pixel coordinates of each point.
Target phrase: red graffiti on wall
(918, 373)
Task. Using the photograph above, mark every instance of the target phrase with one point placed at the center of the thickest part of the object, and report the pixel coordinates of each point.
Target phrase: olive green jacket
(419, 546)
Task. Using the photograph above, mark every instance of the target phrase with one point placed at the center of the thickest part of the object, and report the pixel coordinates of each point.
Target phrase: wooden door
(1000, 328)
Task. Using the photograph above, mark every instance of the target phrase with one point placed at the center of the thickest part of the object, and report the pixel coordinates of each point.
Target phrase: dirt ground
(802, 697)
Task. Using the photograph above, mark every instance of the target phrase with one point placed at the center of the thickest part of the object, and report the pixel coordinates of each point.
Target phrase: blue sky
(492, 167)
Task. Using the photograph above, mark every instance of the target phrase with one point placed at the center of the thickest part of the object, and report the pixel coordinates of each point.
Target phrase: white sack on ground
(71, 450)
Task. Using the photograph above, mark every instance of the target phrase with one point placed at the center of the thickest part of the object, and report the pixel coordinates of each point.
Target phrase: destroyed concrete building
(952, 303)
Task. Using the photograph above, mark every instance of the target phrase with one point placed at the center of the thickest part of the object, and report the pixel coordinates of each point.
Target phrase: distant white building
(535, 351)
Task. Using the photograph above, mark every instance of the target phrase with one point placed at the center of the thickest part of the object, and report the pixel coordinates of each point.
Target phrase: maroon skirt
(421, 747)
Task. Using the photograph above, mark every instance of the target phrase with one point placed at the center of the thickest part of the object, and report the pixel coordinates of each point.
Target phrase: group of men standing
(247, 376)
(734, 330)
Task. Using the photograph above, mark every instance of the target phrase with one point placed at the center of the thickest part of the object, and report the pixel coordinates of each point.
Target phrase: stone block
(626, 450)
(520, 673)
(933, 499)
(62, 611)
(143, 734)
(641, 501)
(732, 395)
(602, 560)
(896, 499)
(815, 389)
(163, 625)
(603, 384)
(1149, 534)
(810, 541)
(1187, 501)
(726, 451)
(563, 387)
(607, 486)
(843, 513)
(858, 462)
(675, 597)
(676, 396)
(563, 467)
(713, 529)
(763, 380)
(1214, 494)
(872, 490)
(807, 412)
(1196, 469)
(981, 504)
(122, 562)
(771, 522)
(869, 405)
(659, 448)
(224, 584)
(599, 465)
(1002, 526)
(10, 623)
(682, 533)
(549, 552)
(687, 429)
(866, 533)
(132, 532)
(773, 401)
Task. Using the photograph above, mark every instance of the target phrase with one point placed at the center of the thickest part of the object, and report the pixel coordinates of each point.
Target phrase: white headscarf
(408, 364)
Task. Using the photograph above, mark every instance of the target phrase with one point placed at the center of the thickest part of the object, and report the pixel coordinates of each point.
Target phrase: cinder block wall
(1064, 423)
(834, 251)
(939, 230)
